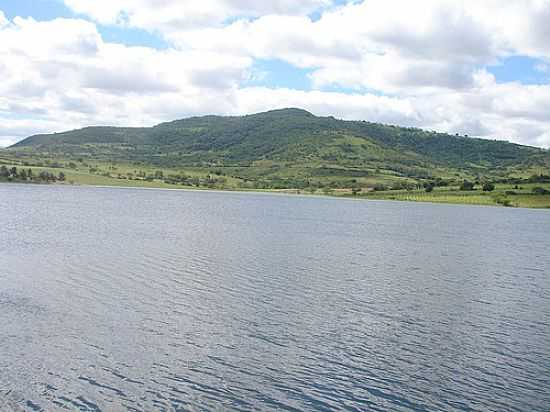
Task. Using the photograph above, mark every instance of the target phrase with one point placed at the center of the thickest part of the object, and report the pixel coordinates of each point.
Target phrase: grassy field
(501, 196)
(100, 173)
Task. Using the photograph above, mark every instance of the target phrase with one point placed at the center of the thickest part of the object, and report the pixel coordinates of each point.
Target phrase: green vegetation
(12, 174)
(488, 187)
(293, 150)
(500, 196)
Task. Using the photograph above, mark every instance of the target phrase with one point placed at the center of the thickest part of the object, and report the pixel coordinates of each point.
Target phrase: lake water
(146, 300)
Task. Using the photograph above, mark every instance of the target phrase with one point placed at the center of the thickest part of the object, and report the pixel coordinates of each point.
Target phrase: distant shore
(477, 198)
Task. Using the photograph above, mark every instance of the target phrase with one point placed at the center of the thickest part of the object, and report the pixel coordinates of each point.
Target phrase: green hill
(292, 148)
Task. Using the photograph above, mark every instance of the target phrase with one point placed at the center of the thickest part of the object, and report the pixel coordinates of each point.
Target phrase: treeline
(185, 180)
(14, 174)
(466, 185)
(210, 181)
(542, 178)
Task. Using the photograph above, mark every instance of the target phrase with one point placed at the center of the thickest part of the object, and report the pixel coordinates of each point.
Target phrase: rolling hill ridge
(293, 144)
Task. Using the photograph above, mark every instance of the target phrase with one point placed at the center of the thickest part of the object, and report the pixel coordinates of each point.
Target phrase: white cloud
(353, 107)
(428, 44)
(542, 67)
(6, 141)
(60, 74)
(170, 15)
(3, 19)
(423, 66)
(64, 69)
(512, 112)
(59, 38)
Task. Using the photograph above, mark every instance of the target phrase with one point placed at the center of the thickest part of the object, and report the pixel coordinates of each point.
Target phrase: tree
(61, 177)
(439, 182)
(13, 171)
(429, 186)
(23, 174)
(488, 187)
(4, 172)
(45, 176)
(467, 185)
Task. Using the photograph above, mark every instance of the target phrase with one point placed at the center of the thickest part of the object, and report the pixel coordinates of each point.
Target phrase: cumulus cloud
(428, 44)
(171, 15)
(512, 112)
(542, 67)
(63, 72)
(424, 66)
(3, 19)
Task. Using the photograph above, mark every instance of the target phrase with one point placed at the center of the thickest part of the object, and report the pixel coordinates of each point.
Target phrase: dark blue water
(146, 300)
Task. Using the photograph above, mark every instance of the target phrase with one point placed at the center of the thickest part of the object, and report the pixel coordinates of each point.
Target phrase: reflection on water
(123, 299)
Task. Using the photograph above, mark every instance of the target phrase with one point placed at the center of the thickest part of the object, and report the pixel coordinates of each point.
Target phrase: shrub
(429, 186)
(488, 187)
(503, 201)
(467, 185)
(379, 187)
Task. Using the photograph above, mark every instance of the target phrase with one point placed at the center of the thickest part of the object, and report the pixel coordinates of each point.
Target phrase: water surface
(150, 300)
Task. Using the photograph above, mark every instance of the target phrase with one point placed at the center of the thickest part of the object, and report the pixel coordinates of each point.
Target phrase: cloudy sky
(477, 67)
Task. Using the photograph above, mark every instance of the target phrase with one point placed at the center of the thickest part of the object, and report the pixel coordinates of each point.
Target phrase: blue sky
(521, 69)
(449, 66)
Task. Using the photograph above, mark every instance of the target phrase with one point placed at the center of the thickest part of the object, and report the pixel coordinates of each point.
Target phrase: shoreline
(277, 192)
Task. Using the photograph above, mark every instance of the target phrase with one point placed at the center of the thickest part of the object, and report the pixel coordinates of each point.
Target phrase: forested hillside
(292, 148)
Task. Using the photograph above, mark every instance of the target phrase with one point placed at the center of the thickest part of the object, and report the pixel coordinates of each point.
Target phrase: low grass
(531, 201)
(104, 173)
(476, 197)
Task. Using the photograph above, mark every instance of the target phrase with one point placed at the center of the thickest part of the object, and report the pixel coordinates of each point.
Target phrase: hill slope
(293, 143)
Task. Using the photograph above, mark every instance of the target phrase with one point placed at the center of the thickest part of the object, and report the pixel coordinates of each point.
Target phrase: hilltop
(280, 149)
(291, 136)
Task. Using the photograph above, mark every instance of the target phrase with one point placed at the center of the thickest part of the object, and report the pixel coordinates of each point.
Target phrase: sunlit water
(145, 300)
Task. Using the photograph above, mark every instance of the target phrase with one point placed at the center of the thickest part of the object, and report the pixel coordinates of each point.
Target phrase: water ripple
(172, 301)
